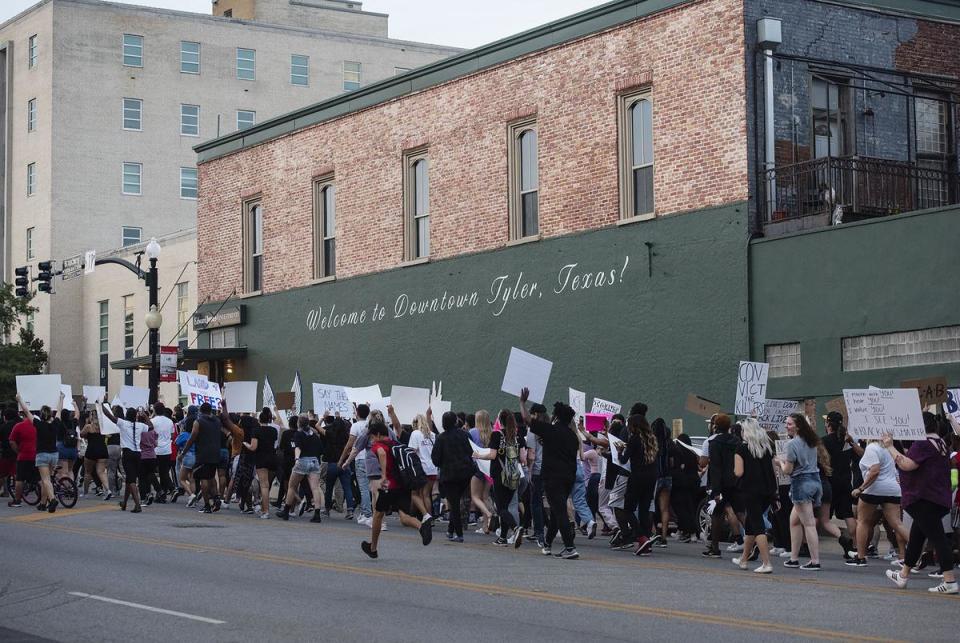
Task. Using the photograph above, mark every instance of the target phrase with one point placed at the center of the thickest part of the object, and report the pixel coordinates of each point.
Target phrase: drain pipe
(769, 37)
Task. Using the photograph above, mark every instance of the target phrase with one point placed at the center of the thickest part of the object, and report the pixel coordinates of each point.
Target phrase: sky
(457, 23)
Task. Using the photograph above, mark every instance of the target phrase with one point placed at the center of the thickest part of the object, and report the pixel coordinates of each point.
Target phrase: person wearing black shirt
(336, 432)
(503, 443)
(559, 470)
(206, 433)
(67, 441)
(842, 450)
(723, 486)
(685, 475)
(753, 466)
(46, 425)
(640, 452)
(308, 447)
(286, 458)
(453, 456)
(263, 445)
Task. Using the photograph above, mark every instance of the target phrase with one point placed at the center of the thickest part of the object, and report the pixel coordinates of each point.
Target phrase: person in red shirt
(23, 440)
(393, 496)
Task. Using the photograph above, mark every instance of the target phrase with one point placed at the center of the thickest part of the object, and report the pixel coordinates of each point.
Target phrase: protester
(723, 487)
(46, 427)
(452, 455)
(308, 448)
(640, 452)
(753, 466)
(359, 430)
(504, 455)
(163, 425)
(336, 434)
(685, 482)
(205, 435)
(148, 465)
(879, 493)
(800, 463)
(96, 456)
(23, 442)
(422, 440)
(131, 424)
(67, 442)
(842, 449)
(482, 436)
(264, 448)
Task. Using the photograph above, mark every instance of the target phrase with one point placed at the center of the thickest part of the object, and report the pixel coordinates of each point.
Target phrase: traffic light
(23, 281)
(45, 276)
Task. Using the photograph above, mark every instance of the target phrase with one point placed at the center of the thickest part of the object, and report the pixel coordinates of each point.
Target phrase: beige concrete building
(102, 103)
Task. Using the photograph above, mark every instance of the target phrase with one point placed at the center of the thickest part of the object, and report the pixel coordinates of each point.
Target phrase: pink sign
(596, 421)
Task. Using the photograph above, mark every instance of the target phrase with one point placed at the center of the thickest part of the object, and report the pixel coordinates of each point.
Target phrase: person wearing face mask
(46, 425)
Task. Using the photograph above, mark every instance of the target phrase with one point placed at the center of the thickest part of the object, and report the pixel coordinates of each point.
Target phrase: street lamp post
(153, 320)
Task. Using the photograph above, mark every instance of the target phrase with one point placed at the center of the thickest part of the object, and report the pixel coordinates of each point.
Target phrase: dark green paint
(657, 335)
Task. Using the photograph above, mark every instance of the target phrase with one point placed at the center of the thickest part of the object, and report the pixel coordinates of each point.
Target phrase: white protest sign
(333, 398)
(94, 394)
(438, 408)
(751, 388)
(615, 444)
(436, 391)
(484, 465)
(106, 426)
(782, 479)
(134, 397)
(39, 390)
(199, 390)
(605, 407)
(873, 413)
(68, 398)
(953, 408)
(364, 395)
(578, 401)
(381, 406)
(774, 415)
(526, 370)
(241, 397)
(409, 402)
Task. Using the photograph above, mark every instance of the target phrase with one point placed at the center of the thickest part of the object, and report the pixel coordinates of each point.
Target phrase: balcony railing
(852, 188)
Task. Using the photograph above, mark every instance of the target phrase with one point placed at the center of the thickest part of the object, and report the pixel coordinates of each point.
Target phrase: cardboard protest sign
(526, 370)
(782, 479)
(677, 428)
(615, 452)
(701, 406)
(199, 390)
(932, 390)
(751, 388)
(364, 395)
(604, 406)
(578, 401)
(106, 426)
(595, 422)
(409, 402)
(39, 390)
(241, 397)
(332, 398)
(285, 400)
(874, 413)
(134, 397)
(774, 415)
(94, 394)
(68, 398)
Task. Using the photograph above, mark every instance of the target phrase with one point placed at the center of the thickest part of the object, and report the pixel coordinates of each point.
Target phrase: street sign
(89, 262)
(72, 267)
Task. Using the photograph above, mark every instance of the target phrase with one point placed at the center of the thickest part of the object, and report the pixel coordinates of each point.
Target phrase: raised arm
(524, 396)
(903, 462)
(27, 415)
(60, 404)
(107, 412)
(393, 418)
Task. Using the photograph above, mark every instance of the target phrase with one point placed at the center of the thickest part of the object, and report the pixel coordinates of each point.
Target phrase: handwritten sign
(578, 401)
(874, 413)
(526, 370)
(199, 390)
(605, 407)
(751, 388)
(932, 390)
(333, 398)
(774, 415)
(952, 407)
(701, 406)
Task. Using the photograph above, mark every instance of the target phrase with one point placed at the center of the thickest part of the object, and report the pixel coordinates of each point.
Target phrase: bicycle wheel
(10, 484)
(31, 493)
(66, 491)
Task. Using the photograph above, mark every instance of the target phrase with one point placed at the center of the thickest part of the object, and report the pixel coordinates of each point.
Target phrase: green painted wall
(655, 332)
(893, 274)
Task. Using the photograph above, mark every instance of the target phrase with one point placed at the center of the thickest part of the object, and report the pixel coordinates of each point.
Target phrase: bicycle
(65, 489)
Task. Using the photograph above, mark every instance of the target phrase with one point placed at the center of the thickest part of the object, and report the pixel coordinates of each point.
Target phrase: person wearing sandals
(753, 466)
(925, 483)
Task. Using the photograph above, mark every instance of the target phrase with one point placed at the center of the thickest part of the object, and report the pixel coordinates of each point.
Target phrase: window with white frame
(902, 349)
(223, 338)
(784, 360)
(128, 326)
(132, 50)
(132, 178)
(635, 138)
(132, 114)
(324, 228)
(32, 51)
(131, 236)
(299, 70)
(31, 114)
(189, 57)
(190, 120)
(246, 118)
(183, 312)
(29, 244)
(253, 246)
(416, 204)
(351, 75)
(104, 316)
(31, 179)
(188, 183)
(246, 64)
(524, 185)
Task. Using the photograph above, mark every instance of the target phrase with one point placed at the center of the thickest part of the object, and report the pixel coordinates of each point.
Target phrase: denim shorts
(664, 483)
(806, 488)
(47, 460)
(306, 466)
(189, 461)
(65, 452)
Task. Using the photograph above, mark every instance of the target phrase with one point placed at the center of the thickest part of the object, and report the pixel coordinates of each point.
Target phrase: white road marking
(158, 610)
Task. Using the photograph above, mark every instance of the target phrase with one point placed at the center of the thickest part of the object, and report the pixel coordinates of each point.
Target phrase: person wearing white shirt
(880, 491)
(163, 425)
(131, 426)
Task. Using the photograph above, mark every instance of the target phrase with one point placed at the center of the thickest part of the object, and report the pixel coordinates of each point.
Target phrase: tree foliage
(25, 357)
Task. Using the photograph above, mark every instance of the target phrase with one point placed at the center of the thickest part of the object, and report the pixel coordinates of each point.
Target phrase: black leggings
(453, 491)
(928, 525)
(148, 478)
(637, 501)
(164, 466)
(557, 493)
(685, 509)
(502, 497)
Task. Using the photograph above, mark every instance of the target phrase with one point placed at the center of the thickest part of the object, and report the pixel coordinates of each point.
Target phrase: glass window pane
(246, 119)
(528, 161)
(257, 272)
(329, 213)
(530, 207)
(299, 70)
(132, 50)
(131, 178)
(190, 120)
(931, 117)
(421, 188)
(643, 190)
(188, 183)
(246, 64)
(132, 114)
(642, 130)
(190, 57)
(329, 257)
(423, 237)
(351, 75)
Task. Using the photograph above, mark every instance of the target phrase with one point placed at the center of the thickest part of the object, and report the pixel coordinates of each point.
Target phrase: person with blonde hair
(504, 455)
(422, 440)
(753, 466)
(479, 486)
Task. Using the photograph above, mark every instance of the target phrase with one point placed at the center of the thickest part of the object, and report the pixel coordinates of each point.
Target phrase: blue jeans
(360, 466)
(579, 497)
(335, 473)
(536, 504)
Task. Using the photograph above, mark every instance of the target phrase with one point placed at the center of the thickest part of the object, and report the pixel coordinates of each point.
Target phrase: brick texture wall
(692, 56)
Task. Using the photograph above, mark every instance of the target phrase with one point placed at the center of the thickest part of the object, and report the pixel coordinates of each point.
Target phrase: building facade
(103, 103)
(594, 192)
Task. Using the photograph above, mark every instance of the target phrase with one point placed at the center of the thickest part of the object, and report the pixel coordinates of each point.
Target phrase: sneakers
(519, 539)
(52, 507)
(935, 574)
(249, 510)
(217, 503)
(302, 507)
(792, 564)
(546, 550)
(710, 552)
(349, 516)
(785, 554)
(855, 562)
(685, 538)
(13, 504)
(326, 513)
(284, 514)
(643, 546)
(176, 494)
(426, 532)
(776, 551)
(365, 546)
(896, 578)
(206, 510)
(568, 553)
(190, 503)
(735, 548)
(135, 510)
(500, 542)
(763, 569)
(740, 562)
(512, 538)
(316, 516)
(108, 496)
(811, 567)
(896, 563)
(945, 588)
(264, 516)
(591, 530)
(614, 536)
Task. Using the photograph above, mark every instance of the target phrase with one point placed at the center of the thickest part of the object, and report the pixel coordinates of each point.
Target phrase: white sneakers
(776, 551)
(740, 562)
(897, 579)
(735, 548)
(763, 569)
(945, 588)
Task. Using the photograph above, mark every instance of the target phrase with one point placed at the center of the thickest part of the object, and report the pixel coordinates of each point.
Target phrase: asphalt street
(97, 574)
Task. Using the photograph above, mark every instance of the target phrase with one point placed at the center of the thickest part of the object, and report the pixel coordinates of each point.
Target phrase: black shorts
(267, 461)
(733, 497)
(876, 501)
(394, 500)
(27, 471)
(826, 496)
(842, 506)
(205, 471)
(131, 465)
(755, 507)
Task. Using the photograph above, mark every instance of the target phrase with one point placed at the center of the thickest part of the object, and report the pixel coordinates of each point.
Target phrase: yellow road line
(640, 610)
(37, 516)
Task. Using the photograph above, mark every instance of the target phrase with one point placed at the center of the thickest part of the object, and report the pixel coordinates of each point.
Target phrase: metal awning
(185, 357)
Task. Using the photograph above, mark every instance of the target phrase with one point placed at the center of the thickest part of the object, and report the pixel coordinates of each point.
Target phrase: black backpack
(409, 468)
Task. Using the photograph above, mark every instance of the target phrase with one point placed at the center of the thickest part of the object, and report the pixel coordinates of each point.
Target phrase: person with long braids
(640, 451)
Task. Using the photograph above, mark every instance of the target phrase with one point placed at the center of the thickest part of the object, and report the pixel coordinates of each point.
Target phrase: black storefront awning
(185, 357)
